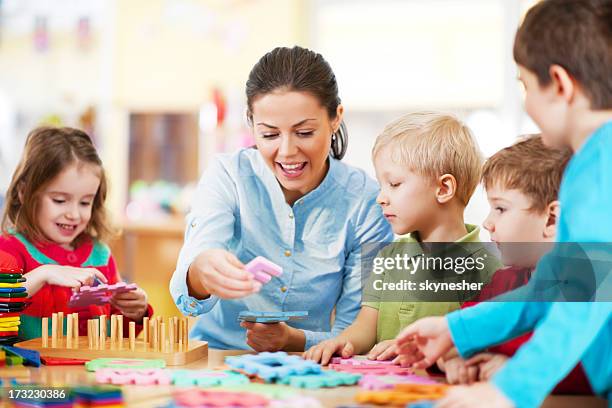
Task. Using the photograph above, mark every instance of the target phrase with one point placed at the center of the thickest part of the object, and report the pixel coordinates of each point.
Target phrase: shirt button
(71, 258)
(287, 253)
(283, 289)
(193, 224)
(192, 304)
(291, 215)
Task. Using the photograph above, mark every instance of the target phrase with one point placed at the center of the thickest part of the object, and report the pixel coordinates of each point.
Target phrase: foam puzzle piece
(387, 382)
(207, 398)
(270, 317)
(371, 369)
(422, 404)
(296, 402)
(325, 379)
(272, 391)
(403, 394)
(272, 366)
(30, 357)
(143, 376)
(207, 378)
(98, 295)
(132, 363)
(263, 269)
(361, 361)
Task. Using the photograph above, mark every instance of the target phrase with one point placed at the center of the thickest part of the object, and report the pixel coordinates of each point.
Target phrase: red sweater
(505, 280)
(51, 298)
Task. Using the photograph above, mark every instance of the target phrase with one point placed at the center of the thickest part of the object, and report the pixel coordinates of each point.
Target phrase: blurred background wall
(159, 84)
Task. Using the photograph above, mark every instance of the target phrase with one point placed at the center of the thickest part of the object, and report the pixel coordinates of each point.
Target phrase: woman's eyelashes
(299, 133)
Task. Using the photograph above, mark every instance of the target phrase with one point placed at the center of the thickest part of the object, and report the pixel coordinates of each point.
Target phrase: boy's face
(406, 198)
(547, 109)
(521, 234)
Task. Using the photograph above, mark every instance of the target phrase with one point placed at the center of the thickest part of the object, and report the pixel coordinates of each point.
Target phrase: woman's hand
(132, 304)
(324, 351)
(218, 272)
(273, 337)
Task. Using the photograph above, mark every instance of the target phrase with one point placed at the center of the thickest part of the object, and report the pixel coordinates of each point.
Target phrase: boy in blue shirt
(564, 53)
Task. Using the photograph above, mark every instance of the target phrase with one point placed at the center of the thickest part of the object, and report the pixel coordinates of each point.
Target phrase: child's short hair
(48, 151)
(530, 167)
(432, 144)
(575, 34)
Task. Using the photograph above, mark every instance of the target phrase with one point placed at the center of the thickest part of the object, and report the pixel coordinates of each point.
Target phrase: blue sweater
(565, 332)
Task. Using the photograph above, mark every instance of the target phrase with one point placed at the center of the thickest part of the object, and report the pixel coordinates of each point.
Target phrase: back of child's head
(575, 34)
(530, 167)
(48, 151)
(432, 144)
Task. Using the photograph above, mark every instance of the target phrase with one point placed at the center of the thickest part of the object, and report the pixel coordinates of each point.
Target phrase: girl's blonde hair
(433, 144)
(48, 151)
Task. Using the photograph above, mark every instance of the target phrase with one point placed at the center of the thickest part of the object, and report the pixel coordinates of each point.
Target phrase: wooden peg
(132, 329)
(45, 331)
(120, 331)
(96, 330)
(90, 333)
(145, 330)
(102, 332)
(113, 331)
(75, 329)
(175, 323)
(54, 330)
(60, 324)
(155, 335)
(162, 330)
(69, 327)
(186, 334)
(171, 335)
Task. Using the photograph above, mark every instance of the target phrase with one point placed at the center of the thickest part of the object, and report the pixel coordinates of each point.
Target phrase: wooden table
(142, 396)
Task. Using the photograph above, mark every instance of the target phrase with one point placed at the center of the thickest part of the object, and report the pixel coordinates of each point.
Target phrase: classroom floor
(147, 396)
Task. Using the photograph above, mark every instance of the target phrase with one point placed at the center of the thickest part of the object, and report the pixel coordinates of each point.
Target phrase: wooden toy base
(197, 350)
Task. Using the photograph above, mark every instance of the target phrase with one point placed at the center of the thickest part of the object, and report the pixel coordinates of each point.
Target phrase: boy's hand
(483, 395)
(385, 350)
(430, 335)
(459, 371)
(266, 337)
(69, 276)
(324, 351)
(488, 364)
(132, 304)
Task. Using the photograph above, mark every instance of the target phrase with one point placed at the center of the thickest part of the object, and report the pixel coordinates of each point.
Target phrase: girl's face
(293, 134)
(66, 203)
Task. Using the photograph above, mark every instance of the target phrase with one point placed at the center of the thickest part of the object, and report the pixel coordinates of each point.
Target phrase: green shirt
(394, 315)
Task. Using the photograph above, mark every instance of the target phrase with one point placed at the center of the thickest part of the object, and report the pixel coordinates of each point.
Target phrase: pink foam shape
(361, 362)
(98, 295)
(261, 264)
(121, 376)
(385, 382)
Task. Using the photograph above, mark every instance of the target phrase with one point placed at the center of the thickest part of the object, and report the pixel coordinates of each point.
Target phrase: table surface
(147, 396)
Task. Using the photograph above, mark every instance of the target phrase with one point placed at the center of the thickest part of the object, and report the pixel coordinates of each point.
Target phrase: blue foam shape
(30, 357)
(272, 366)
(12, 290)
(251, 313)
(421, 404)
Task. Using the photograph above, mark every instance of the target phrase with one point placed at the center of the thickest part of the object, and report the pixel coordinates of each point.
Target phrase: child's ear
(552, 217)
(446, 189)
(20, 192)
(563, 83)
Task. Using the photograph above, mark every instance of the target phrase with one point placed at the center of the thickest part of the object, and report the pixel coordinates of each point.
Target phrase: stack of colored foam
(103, 396)
(13, 298)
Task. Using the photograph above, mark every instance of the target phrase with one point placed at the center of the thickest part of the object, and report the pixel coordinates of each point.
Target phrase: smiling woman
(290, 200)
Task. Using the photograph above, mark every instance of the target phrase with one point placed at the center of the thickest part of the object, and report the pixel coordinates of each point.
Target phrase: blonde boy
(428, 166)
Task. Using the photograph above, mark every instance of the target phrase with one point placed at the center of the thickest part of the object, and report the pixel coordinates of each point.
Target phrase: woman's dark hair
(302, 70)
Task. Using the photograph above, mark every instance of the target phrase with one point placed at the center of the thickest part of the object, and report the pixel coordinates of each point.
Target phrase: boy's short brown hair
(575, 34)
(530, 167)
(433, 144)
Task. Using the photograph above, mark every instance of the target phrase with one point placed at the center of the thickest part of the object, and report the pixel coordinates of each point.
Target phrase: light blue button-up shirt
(239, 206)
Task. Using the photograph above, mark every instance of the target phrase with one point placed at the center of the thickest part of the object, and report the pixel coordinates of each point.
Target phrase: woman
(290, 200)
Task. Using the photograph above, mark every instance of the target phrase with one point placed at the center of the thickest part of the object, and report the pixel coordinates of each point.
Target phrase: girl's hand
(488, 364)
(132, 304)
(324, 351)
(459, 371)
(218, 272)
(69, 276)
(385, 350)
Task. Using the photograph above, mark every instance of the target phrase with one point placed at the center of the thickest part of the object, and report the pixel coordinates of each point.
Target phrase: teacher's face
(293, 134)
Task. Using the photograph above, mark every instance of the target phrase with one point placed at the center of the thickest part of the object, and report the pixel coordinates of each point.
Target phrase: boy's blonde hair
(530, 167)
(433, 144)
